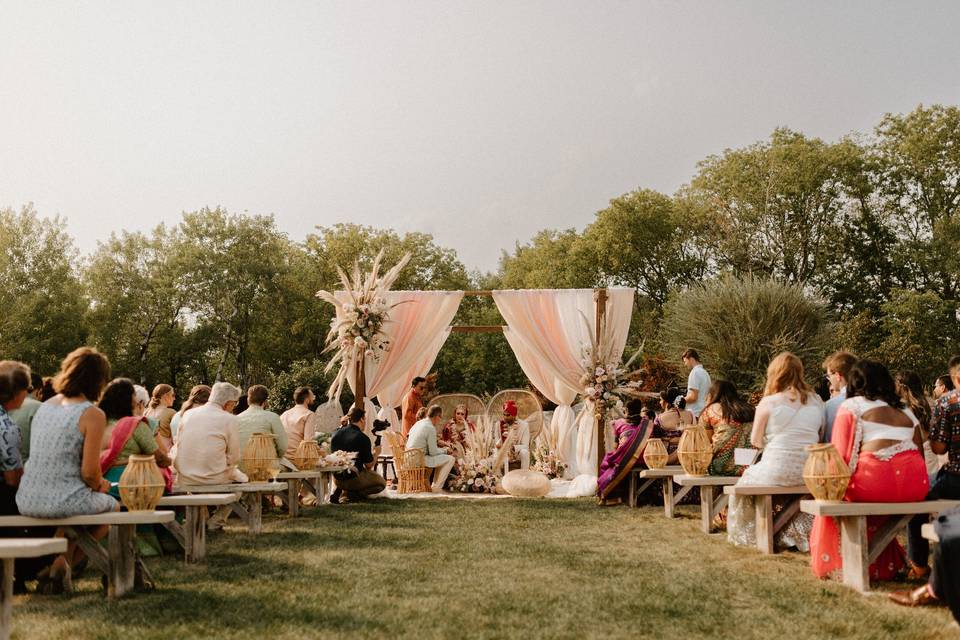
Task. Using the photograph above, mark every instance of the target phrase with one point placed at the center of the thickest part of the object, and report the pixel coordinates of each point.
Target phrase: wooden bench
(249, 507)
(711, 502)
(651, 477)
(119, 561)
(192, 534)
(10, 549)
(767, 526)
(856, 552)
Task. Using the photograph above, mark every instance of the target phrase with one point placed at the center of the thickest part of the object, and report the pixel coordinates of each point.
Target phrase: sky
(478, 122)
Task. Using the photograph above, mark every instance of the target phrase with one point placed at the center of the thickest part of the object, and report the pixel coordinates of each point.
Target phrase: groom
(519, 454)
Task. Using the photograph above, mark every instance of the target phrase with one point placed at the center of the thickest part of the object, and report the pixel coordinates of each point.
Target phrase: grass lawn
(479, 569)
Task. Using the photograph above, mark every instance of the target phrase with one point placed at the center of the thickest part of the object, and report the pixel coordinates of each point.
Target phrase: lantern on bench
(655, 454)
(141, 484)
(825, 473)
(695, 451)
(307, 455)
(260, 458)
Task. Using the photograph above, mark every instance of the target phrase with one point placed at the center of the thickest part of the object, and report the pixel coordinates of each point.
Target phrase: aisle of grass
(479, 569)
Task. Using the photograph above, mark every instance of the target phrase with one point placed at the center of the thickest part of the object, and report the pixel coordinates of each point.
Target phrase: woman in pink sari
(879, 439)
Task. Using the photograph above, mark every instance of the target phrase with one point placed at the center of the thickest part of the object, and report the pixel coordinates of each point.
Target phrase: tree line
(866, 225)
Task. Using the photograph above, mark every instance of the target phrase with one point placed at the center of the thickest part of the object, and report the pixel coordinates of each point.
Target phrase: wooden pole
(600, 295)
(360, 390)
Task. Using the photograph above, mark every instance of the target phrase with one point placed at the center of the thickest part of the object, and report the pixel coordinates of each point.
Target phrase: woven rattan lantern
(825, 473)
(141, 484)
(307, 455)
(695, 451)
(655, 454)
(259, 457)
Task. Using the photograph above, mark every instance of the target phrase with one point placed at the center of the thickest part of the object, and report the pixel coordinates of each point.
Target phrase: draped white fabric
(550, 331)
(417, 329)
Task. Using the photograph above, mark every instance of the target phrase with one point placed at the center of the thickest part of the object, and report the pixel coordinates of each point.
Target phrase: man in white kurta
(423, 436)
(510, 424)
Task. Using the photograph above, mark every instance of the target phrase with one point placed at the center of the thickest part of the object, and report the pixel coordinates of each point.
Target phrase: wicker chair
(413, 475)
(449, 401)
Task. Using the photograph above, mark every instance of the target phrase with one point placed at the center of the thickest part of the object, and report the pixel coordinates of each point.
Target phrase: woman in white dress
(789, 417)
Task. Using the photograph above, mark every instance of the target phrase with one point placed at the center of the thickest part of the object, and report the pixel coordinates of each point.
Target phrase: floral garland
(357, 330)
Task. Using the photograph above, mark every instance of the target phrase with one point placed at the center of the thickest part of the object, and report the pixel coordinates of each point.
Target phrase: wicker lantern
(141, 484)
(259, 457)
(307, 455)
(825, 473)
(695, 451)
(655, 454)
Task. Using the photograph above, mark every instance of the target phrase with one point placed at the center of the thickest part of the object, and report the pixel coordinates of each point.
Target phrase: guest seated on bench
(63, 476)
(670, 423)
(207, 447)
(129, 434)
(789, 417)
(879, 438)
(198, 397)
(256, 419)
(364, 481)
(632, 433)
(729, 423)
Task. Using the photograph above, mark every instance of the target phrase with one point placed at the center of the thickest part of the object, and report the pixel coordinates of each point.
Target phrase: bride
(789, 417)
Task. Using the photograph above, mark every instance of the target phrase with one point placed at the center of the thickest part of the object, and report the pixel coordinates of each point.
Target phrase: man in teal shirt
(23, 417)
(256, 419)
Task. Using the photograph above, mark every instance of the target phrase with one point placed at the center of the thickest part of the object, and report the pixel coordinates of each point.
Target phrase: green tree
(44, 307)
(551, 260)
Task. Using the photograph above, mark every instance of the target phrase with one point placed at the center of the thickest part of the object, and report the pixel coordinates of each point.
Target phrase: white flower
(599, 371)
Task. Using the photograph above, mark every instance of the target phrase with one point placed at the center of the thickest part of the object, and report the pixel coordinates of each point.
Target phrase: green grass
(479, 569)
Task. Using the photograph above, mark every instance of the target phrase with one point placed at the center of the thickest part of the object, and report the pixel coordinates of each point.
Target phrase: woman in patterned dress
(62, 477)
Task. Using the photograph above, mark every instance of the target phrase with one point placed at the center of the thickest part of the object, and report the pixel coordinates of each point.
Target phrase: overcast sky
(478, 122)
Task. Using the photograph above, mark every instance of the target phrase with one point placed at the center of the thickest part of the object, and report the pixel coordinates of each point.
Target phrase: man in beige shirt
(300, 423)
(207, 449)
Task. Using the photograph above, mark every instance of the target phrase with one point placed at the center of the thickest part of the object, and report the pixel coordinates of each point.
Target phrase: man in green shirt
(23, 417)
(256, 419)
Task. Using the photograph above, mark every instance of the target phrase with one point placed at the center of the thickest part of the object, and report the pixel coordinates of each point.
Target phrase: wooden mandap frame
(600, 304)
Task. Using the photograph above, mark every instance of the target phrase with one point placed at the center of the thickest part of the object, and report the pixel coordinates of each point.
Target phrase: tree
(739, 324)
(138, 300)
(552, 260)
(772, 207)
(44, 308)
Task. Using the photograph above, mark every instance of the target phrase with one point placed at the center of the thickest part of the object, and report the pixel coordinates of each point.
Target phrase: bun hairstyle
(872, 380)
(158, 392)
(674, 398)
(14, 378)
(634, 410)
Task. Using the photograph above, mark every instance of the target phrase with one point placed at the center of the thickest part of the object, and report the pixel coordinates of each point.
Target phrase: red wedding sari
(876, 477)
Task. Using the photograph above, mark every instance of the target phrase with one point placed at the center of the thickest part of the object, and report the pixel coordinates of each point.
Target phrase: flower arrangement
(357, 330)
(343, 459)
(477, 461)
(548, 462)
(604, 380)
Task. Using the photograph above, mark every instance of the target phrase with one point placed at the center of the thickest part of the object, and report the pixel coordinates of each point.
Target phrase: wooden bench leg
(325, 478)
(668, 497)
(885, 535)
(706, 508)
(254, 510)
(120, 544)
(764, 523)
(91, 548)
(195, 534)
(6, 600)
(632, 491)
(854, 552)
(293, 497)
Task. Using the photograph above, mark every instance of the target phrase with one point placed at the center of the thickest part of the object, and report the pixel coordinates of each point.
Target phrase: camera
(379, 426)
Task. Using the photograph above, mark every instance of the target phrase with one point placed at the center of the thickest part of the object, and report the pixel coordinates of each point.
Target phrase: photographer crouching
(354, 485)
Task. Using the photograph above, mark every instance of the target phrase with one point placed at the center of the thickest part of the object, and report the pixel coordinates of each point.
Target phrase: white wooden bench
(11, 549)
(249, 507)
(318, 481)
(192, 534)
(767, 526)
(856, 552)
(118, 562)
(712, 502)
(650, 477)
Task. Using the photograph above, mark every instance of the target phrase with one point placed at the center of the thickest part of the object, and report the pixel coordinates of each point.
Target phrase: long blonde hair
(785, 373)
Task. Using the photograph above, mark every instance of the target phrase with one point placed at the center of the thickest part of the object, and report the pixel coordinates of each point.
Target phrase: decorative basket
(307, 455)
(141, 484)
(259, 457)
(825, 473)
(695, 451)
(655, 454)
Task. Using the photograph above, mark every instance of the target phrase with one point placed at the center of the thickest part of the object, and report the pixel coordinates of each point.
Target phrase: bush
(738, 325)
(304, 373)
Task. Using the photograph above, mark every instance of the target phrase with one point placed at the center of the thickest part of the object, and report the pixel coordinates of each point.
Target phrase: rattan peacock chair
(528, 408)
